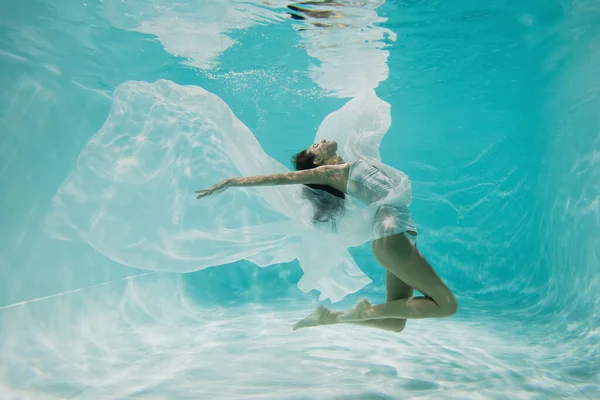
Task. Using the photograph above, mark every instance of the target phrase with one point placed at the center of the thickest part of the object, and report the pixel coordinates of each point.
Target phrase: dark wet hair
(327, 201)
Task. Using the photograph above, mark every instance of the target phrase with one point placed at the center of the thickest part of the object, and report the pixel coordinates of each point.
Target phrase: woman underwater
(322, 170)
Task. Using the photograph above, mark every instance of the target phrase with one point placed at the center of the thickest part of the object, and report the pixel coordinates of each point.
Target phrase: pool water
(494, 111)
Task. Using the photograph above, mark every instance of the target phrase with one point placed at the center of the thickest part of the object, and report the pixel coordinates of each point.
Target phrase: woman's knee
(400, 325)
(394, 324)
(448, 306)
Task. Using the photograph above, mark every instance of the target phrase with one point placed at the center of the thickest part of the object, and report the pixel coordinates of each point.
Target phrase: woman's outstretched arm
(306, 177)
(325, 175)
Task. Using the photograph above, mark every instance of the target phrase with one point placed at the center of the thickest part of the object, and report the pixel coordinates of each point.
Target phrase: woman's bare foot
(318, 317)
(361, 312)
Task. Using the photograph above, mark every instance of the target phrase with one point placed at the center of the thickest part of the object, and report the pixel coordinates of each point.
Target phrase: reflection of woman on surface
(321, 169)
(300, 12)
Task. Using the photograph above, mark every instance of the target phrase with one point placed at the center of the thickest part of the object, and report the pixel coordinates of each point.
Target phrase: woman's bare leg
(395, 290)
(405, 261)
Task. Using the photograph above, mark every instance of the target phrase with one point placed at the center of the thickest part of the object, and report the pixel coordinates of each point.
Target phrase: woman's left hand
(218, 188)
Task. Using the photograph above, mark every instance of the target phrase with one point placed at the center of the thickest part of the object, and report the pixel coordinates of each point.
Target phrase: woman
(321, 169)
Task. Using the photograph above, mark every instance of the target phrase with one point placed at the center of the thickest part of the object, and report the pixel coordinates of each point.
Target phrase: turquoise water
(494, 118)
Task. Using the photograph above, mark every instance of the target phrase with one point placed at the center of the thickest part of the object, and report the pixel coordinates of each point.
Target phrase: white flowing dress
(131, 195)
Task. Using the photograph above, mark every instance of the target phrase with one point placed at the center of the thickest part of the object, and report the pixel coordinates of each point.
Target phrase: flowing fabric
(386, 196)
(131, 192)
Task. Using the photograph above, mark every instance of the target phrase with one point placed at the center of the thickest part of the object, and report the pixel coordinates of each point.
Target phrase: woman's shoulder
(335, 167)
(335, 171)
(335, 175)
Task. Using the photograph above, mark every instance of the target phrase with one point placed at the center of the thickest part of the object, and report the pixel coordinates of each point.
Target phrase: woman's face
(324, 151)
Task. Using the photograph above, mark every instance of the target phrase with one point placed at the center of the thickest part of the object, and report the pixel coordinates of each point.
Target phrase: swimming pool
(493, 116)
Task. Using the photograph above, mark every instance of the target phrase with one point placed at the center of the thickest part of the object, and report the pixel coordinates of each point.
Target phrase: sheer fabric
(131, 195)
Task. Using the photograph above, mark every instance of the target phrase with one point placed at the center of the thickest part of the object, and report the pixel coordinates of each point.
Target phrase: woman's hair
(327, 201)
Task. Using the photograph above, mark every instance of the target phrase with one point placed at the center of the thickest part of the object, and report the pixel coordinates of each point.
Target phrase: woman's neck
(335, 161)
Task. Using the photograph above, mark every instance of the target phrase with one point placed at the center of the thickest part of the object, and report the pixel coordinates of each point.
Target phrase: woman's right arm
(318, 176)
(325, 175)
